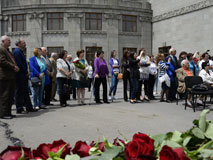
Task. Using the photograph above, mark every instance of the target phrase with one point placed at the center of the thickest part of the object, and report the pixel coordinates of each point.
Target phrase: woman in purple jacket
(114, 66)
(100, 73)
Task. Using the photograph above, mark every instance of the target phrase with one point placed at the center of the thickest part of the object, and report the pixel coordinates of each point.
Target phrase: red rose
(42, 151)
(100, 145)
(167, 153)
(140, 148)
(82, 149)
(115, 143)
(14, 153)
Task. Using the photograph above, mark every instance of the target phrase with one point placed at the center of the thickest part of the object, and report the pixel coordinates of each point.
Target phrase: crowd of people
(47, 75)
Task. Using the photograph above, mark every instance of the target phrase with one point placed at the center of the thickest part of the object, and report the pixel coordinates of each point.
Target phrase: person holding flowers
(80, 79)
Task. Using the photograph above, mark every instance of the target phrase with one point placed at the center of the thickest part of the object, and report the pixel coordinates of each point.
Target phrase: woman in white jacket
(206, 74)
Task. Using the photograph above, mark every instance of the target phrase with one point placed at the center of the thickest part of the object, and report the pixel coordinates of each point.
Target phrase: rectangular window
(90, 53)
(129, 23)
(18, 22)
(55, 49)
(93, 21)
(164, 50)
(55, 21)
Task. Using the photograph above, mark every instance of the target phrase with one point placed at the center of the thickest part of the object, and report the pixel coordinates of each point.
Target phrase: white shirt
(152, 68)
(200, 64)
(90, 71)
(207, 77)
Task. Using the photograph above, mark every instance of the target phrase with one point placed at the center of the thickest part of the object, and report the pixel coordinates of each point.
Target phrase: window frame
(132, 21)
(51, 19)
(15, 21)
(90, 18)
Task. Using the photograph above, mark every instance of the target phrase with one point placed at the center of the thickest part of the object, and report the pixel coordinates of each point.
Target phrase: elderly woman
(39, 77)
(63, 75)
(80, 66)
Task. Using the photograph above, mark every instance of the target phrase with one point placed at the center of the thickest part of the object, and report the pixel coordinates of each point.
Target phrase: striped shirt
(162, 68)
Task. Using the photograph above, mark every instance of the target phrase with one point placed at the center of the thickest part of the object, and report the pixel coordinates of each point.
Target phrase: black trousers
(22, 97)
(173, 89)
(74, 93)
(140, 82)
(90, 83)
(47, 93)
(62, 95)
(151, 83)
(7, 89)
(98, 82)
(126, 79)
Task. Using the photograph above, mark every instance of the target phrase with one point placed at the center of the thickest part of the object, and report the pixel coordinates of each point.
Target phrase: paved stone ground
(92, 122)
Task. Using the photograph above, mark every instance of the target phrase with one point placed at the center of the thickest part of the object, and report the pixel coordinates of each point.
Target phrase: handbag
(67, 89)
(120, 76)
(35, 81)
(84, 80)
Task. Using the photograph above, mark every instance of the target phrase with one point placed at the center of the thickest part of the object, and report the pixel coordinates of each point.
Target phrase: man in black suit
(8, 69)
(174, 62)
(22, 98)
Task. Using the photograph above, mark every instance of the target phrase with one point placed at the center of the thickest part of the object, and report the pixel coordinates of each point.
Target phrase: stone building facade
(70, 25)
(183, 24)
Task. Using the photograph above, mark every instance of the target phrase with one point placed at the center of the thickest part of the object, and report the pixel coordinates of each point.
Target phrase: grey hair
(18, 41)
(42, 48)
(171, 49)
(3, 38)
(183, 62)
(53, 54)
(69, 55)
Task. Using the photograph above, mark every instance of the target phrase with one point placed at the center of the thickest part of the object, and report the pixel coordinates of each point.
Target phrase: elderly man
(173, 88)
(47, 88)
(8, 69)
(181, 74)
(53, 59)
(22, 97)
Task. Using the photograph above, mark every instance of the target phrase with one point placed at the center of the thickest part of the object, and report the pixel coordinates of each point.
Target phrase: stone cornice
(55, 32)
(36, 15)
(94, 32)
(112, 16)
(184, 10)
(129, 34)
(74, 15)
(145, 19)
(19, 33)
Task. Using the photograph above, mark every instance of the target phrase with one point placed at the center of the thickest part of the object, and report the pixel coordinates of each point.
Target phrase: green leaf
(205, 154)
(198, 133)
(196, 122)
(51, 154)
(209, 131)
(176, 136)
(22, 154)
(72, 157)
(186, 141)
(110, 153)
(60, 151)
(94, 151)
(159, 139)
(171, 144)
(202, 121)
(107, 144)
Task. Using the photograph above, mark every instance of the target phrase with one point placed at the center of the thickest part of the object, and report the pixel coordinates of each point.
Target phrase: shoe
(7, 117)
(162, 100)
(168, 101)
(32, 110)
(132, 101)
(37, 108)
(63, 105)
(83, 103)
(189, 103)
(200, 102)
(99, 102)
(54, 100)
(110, 98)
(146, 98)
(126, 100)
(12, 115)
(106, 102)
(115, 98)
(21, 112)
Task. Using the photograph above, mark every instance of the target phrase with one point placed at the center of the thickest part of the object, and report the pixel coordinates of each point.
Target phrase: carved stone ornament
(112, 16)
(145, 19)
(94, 32)
(4, 18)
(56, 32)
(36, 15)
(75, 15)
(20, 33)
(184, 10)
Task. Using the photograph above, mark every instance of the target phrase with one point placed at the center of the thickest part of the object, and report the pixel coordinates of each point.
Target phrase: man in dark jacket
(8, 69)
(22, 97)
(174, 62)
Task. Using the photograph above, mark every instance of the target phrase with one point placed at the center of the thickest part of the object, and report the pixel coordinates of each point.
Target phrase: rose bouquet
(79, 65)
(194, 144)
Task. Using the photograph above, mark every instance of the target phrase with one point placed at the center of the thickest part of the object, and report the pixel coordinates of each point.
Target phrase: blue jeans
(114, 84)
(38, 95)
(134, 84)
